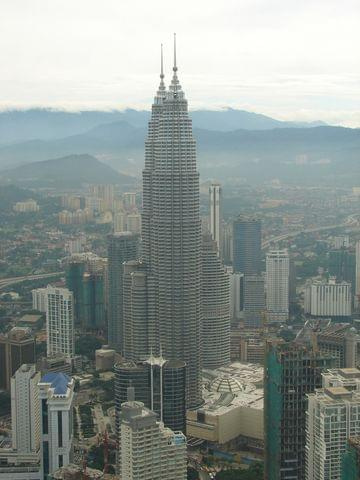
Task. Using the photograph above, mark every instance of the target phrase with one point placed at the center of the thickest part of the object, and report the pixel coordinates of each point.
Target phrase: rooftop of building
(59, 382)
(30, 318)
(239, 384)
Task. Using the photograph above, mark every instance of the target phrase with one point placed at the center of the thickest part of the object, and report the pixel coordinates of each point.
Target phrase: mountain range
(310, 154)
(22, 125)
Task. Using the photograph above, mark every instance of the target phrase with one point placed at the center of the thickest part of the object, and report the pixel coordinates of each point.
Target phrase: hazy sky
(292, 59)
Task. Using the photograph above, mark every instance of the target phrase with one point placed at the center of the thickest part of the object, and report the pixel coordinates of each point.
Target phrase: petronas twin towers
(165, 286)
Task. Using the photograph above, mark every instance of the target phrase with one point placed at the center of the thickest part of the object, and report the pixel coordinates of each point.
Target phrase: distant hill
(42, 124)
(71, 171)
(324, 154)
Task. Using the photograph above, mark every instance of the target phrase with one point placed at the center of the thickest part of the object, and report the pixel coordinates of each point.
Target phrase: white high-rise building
(148, 450)
(25, 410)
(332, 417)
(120, 222)
(56, 393)
(328, 299)
(357, 275)
(215, 214)
(134, 222)
(39, 299)
(277, 285)
(60, 322)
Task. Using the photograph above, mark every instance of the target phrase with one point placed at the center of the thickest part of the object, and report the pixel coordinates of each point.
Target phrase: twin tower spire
(174, 87)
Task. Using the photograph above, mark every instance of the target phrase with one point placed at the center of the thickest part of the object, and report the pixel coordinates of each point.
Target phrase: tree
(86, 345)
(192, 474)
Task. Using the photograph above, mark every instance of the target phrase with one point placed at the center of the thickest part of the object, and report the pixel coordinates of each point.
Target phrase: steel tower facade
(171, 233)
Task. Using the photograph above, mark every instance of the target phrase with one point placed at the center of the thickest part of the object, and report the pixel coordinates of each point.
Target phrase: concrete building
(105, 193)
(254, 300)
(121, 248)
(232, 409)
(292, 370)
(148, 449)
(215, 307)
(277, 286)
(39, 299)
(134, 223)
(26, 207)
(328, 299)
(247, 245)
(215, 223)
(120, 222)
(60, 322)
(333, 415)
(25, 410)
(104, 358)
(16, 348)
(56, 393)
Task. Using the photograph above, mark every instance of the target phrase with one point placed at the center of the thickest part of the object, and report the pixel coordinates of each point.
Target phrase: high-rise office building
(247, 245)
(292, 370)
(121, 248)
(60, 322)
(277, 286)
(16, 348)
(342, 265)
(56, 393)
(159, 384)
(215, 307)
(215, 195)
(332, 417)
(254, 300)
(171, 234)
(148, 450)
(25, 410)
(328, 299)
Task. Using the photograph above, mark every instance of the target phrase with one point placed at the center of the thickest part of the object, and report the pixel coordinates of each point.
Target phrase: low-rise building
(233, 405)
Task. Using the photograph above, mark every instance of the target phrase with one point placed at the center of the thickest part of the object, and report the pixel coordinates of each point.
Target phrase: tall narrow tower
(215, 214)
(171, 232)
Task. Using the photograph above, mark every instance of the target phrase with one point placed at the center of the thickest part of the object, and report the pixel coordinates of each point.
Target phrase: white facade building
(56, 392)
(27, 206)
(333, 416)
(134, 222)
(60, 322)
(328, 299)
(215, 214)
(148, 449)
(25, 410)
(120, 222)
(39, 299)
(277, 285)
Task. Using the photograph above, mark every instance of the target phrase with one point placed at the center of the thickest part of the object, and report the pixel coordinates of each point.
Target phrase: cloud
(287, 58)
